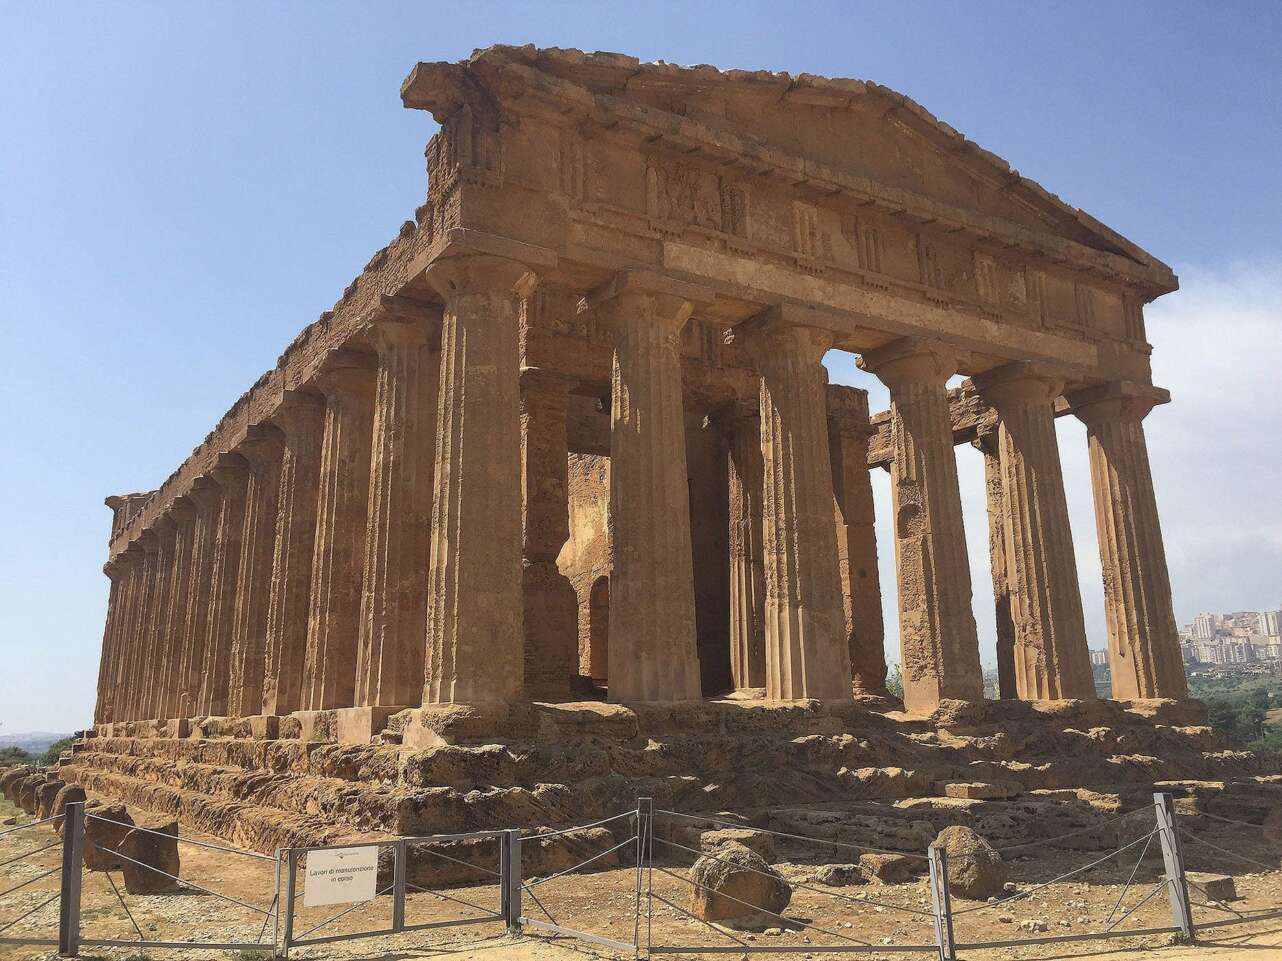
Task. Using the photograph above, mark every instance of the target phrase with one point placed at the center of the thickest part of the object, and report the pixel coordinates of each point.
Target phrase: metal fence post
(645, 827)
(73, 836)
(941, 902)
(291, 883)
(399, 854)
(510, 879)
(1173, 860)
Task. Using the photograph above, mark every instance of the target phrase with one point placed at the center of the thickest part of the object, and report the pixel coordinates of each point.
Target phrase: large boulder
(153, 848)
(10, 779)
(890, 868)
(738, 888)
(975, 869)
(68, 794)
(26, 793)
(104, 833)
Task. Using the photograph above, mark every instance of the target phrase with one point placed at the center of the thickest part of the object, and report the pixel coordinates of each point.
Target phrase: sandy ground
(604, 903)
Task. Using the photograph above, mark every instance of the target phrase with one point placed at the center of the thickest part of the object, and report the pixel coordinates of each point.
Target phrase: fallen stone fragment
(889, 868)
(45, 794)
(103, 838)
(1034, 925)
(156, 847)
(758, 841)
(738, 888)
(1217, 887)
(975, 869)
(840, 875)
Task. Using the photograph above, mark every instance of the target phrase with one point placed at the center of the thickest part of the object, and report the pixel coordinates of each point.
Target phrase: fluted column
(747, 554)
(183, 514)
(140, 653)
(653, 642)
(152, 670)
(807, 649)
(1143, 644)
(207, 497)
(938, 643)
(848, 435)
(301, 418)
(127, 632)
(232, 475)
(110, 633)
(393, 631)
(1051, 657)
(338, 560)
(550, 618)
(986, 444)
(263, 447)
(475, 648)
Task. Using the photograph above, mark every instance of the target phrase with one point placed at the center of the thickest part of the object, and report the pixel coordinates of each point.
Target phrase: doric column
(475, 648)
(938, 644)
(131, 560)
(747, 553)
(807, 648)
(849, 433)
(1143, 645)
(986, 443)
(140, 652)
(338, 560)
(550, 618)
(653, 642)
(115, 571)
(1051, 657)
(262, 447)
(151, 676)
(301, 418)
(207, 497)
(231, 474)
(183, 514)
(393, 631)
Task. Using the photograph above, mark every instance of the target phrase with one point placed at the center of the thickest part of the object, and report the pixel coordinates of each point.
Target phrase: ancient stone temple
(564, 456)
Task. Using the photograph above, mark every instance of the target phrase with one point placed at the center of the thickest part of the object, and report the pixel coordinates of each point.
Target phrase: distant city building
(1271, 623)
(1204, 627)
(1099, 658)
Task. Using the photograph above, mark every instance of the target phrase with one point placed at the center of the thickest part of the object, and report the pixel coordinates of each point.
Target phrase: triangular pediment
(853, 128)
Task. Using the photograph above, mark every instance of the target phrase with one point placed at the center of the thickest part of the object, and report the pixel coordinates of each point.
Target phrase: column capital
(403, 323)
(263, 444)
(299, 413)
(149, 541)
(669, 302)
(231, 471)
(346, 373)
(909, 360)
(182, 510)
(785, 331)
(205, 492)
(471, 273)
(1019, 382)
(1116, 401)
(165, 527)
(114, 569)
(544, 380)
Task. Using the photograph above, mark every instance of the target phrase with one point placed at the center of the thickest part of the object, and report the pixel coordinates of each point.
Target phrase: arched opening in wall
(599, 630)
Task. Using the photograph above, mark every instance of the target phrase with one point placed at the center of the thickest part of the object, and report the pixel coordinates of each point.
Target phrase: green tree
(15, 755)
(50, 757)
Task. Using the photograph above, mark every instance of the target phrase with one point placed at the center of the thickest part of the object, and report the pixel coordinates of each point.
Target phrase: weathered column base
(343, 725)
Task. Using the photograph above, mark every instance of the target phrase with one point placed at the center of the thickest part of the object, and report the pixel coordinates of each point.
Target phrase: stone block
(264, 727)
(1216, 887)
(44, 797)
(759, 842)
(156, 852)
(840, 875)
(975, 868)
(105, 831)
(979, 790)
(360, 725)
(737, 888)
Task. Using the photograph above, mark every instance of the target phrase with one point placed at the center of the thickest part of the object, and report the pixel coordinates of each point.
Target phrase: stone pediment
(825, 136)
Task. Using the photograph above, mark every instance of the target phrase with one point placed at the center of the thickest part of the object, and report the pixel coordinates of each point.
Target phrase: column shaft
(263, 448)
(184, 515)
(126, 636)
(153, 669)
(747, 555)
(807, 648)
(207, 497)
(338, 561)
(653, 641)
(232, 475)
(102, 707)
(1051, 657)
(857, 556)
(550, 616)
(1143, 643)
(141, 650)
(393, 633)
(938, 643)
(475, 649)
(301, 418)
(987, 445)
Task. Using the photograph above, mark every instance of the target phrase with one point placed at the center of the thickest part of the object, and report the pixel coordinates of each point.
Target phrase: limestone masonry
(568, 438)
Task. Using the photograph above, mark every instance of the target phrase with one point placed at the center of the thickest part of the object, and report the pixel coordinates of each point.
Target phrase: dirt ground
(604, 903)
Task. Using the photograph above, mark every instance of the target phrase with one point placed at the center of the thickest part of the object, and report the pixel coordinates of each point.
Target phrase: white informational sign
(340, 876)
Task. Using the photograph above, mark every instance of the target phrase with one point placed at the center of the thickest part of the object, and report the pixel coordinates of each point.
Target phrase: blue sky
(183, 187)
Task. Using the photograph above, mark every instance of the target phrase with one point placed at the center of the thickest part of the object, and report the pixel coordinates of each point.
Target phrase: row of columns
(388, 537)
